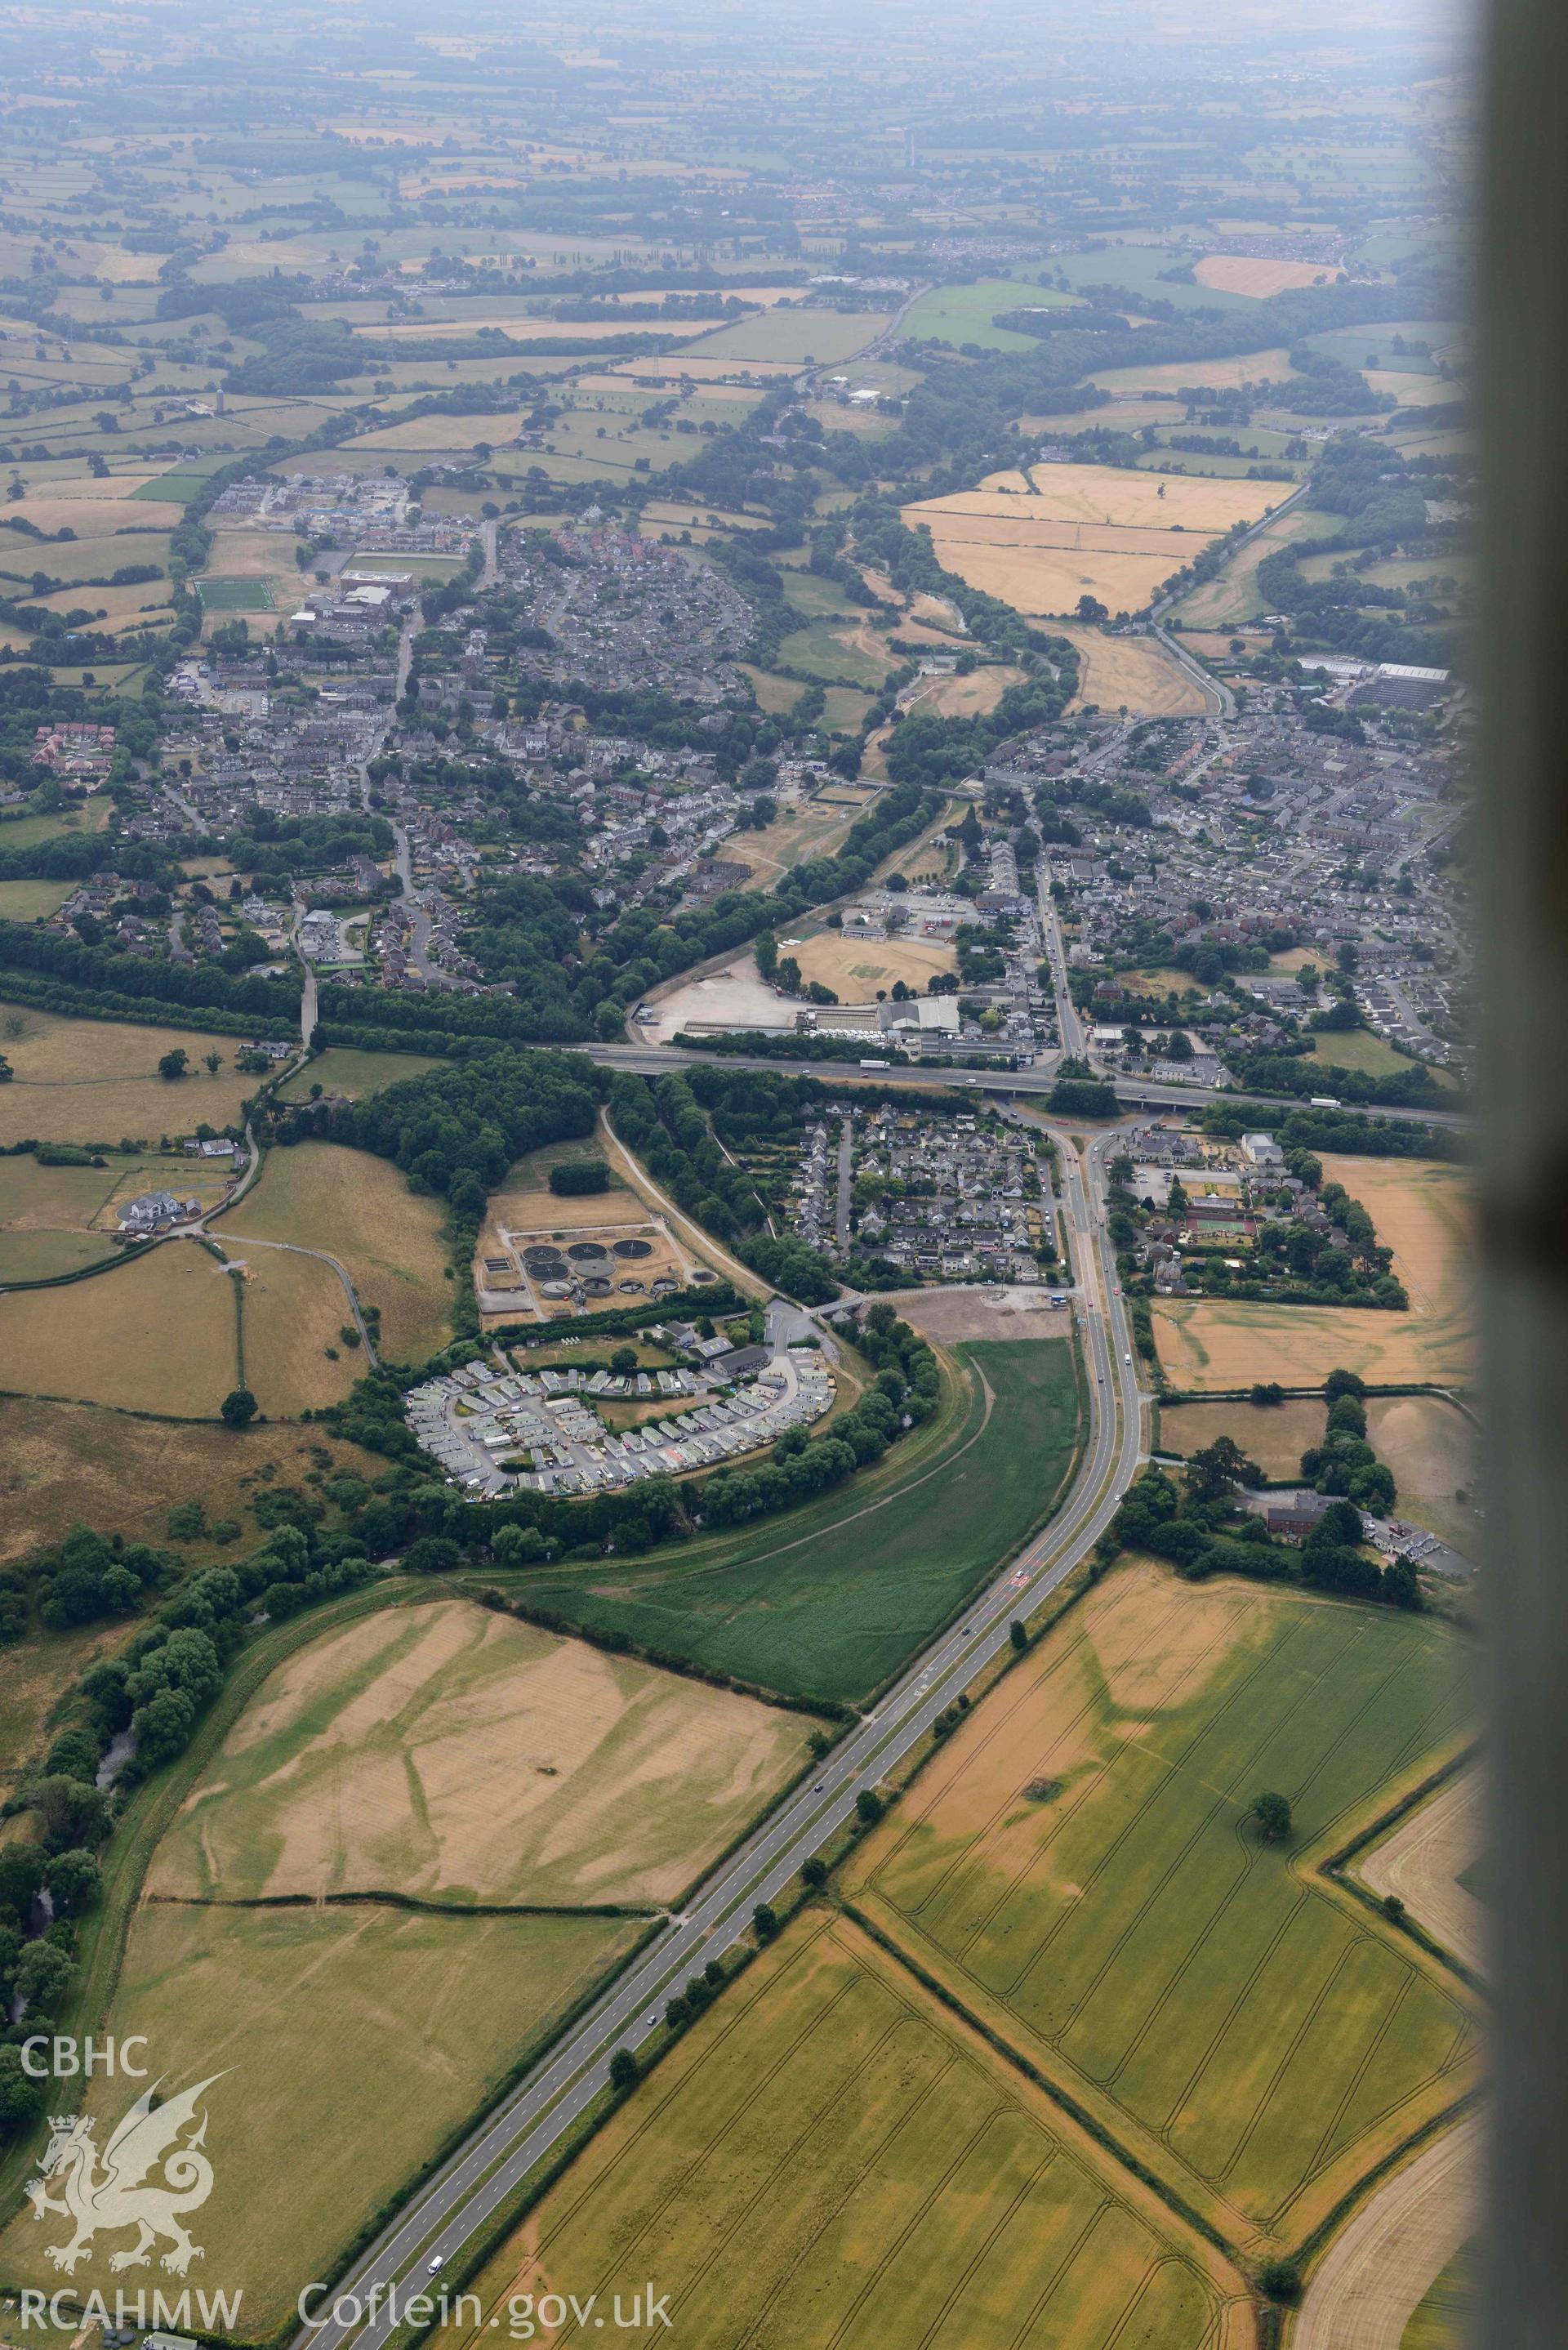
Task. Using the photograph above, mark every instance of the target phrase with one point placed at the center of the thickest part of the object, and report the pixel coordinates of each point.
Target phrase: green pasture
(826, 1602)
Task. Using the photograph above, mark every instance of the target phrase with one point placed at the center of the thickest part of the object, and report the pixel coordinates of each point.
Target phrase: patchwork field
(1077, 1864)
(1134, 672)
(856, 968)
(97, 1080)
(1421, 1211)
(359, 1209)
(829, 2159)
(301, 2012)
(454, 1756)
(1042, 538)
(53, 1219)
(827, 1601)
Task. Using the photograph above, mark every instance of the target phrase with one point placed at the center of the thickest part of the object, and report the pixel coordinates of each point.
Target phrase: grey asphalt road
(1132, 1093)
(446, 2212)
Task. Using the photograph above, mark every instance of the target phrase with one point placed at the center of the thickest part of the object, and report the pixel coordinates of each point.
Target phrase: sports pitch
(1078, 1866)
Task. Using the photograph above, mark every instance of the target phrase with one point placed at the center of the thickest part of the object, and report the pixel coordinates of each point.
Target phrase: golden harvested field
(1136, 672)
(456, 1755)
(526, 1203)
(1076, 1865)
(156, 1334)
(1273, 1435)
(1206, 1342)
(1425, 1213)
(1423, 1860)
(1434, 1451)
(1422, 1212)
(856, 968)
(62, 1464)
(300, 2012)
(1127, 499)
(359, 1209)
(1237, 273)
(967, 697)
(88, 511)
(97, 1081)
(1251, 367)
(1042, 540)
(832, 2161)
(294, 1310)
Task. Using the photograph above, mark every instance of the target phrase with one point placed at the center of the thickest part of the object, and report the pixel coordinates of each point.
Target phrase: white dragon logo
(117, 2196)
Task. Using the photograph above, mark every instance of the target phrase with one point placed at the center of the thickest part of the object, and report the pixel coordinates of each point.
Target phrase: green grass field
(1361, 1049)
(26, 902)
(794, 337)
(1137, 267)
(963, 314)
(830, 2161)
(235, 595)
(1079, 1865)
(342, 1070)
(827, 1601)
(819, 650)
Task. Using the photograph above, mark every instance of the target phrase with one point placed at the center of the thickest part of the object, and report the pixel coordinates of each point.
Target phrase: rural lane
(445, 2213)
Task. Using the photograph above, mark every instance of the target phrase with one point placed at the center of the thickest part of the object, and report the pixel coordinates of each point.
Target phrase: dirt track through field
(1378, 2269)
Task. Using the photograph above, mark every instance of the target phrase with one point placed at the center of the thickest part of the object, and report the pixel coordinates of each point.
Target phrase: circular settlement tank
(629, 1249)
(587, 1252)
